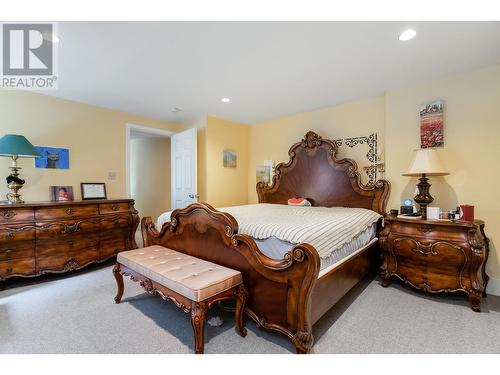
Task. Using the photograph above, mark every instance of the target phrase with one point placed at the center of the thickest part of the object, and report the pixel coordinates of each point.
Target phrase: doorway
(148, 168)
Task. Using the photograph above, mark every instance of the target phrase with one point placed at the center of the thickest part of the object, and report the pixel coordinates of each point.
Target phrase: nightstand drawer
(441, 265)
(434, 231)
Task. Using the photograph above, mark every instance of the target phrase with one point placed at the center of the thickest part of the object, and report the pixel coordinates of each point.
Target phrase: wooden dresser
(37, 238)
(436, 256)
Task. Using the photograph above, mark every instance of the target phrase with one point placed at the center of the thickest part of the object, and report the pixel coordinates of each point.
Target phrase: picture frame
(263, 173)
(229, 159)
(52, 158)
(61, 193)
(93, 190)
(432, 124)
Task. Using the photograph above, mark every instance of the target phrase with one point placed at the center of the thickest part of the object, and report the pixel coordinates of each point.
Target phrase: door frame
(143, 129)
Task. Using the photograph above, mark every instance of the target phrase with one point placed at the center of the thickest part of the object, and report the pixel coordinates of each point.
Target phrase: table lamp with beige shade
(425, 163)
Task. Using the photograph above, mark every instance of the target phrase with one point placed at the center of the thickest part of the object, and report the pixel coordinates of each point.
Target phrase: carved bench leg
(119, 282)
(198, 317)
(239, 315)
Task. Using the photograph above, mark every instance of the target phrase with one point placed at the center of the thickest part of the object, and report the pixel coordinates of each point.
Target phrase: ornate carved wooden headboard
(315, 173)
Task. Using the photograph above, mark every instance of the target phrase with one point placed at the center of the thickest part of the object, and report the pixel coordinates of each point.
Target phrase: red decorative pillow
(298, 202)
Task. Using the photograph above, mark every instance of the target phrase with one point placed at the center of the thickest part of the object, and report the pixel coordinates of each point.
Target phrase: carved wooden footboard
(280, 290)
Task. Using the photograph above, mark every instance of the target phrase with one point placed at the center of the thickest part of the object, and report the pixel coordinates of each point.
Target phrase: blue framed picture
(53, 158)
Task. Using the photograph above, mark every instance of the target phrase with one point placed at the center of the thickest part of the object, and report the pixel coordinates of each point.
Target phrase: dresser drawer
(111, 246)
(14, 233)
(107, 208)
(24, 266)
(16, 214)
(69, 261)
(67, 244)
(115, 222)
(66, 228)
(452, 233)
(16, 250)
(60, 212)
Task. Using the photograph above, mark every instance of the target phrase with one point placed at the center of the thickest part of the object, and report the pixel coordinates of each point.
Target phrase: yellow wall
(95, 138)
(271, 140)
(150, 183)
(471, 151)
(225, 186)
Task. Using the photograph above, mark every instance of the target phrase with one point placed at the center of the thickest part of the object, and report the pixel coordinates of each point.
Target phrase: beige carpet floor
(75, 313)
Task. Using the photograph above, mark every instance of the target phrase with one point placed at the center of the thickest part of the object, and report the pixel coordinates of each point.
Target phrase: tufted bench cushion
(191, 277)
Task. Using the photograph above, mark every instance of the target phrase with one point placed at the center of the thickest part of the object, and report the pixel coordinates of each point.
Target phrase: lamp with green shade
(16, 146)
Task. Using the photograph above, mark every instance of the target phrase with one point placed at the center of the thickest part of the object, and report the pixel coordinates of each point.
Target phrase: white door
(184, 168)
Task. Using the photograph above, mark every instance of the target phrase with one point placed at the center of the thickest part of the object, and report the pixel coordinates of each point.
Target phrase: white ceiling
(268, 69)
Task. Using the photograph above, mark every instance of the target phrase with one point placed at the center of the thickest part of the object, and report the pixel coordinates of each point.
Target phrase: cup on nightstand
(432, 213)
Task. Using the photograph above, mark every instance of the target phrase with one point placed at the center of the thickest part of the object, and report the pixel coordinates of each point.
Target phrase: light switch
(111, 175)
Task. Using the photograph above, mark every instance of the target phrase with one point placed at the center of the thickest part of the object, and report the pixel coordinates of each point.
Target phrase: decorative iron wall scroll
(371, 155)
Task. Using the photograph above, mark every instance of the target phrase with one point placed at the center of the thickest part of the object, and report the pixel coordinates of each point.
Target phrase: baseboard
(493, 286)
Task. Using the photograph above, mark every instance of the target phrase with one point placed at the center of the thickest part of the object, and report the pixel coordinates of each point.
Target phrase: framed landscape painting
(229, 159)
(432, 124)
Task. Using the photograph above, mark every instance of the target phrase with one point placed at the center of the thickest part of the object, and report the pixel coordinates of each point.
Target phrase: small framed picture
(263, 174)
(229, 159)
(61, 193)
(93, 190)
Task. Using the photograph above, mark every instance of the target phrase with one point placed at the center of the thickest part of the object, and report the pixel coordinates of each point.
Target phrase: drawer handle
(115, 207)
(71, 228)
(71, 243)
(10, 235)
(425, 229)
(8, 253)
(9, 270)
(8, 214)
(70, 211)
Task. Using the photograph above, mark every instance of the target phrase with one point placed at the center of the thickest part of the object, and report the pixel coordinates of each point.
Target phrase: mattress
(275, 248)
(336, 233)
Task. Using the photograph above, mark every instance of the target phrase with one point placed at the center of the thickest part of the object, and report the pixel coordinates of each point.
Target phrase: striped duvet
(327, 229)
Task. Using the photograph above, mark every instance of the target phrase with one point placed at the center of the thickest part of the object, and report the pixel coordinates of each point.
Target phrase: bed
(291, 293)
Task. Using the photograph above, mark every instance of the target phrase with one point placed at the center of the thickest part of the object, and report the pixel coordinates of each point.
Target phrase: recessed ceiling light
(175, 110)
(407, 35)
(225, 100)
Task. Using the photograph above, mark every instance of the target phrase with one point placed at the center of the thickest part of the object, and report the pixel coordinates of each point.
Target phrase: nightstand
(436, 256)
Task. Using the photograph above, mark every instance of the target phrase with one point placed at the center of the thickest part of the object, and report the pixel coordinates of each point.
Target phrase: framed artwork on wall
(93, 190)
(263, 173)
(52, 158)
(61, 193)
(229, 159)
(432, 124)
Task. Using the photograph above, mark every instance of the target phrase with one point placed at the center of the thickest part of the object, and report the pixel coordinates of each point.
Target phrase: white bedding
(329, 230)
(276, 249)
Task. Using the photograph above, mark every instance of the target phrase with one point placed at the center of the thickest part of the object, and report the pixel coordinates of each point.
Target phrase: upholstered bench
(192, 284)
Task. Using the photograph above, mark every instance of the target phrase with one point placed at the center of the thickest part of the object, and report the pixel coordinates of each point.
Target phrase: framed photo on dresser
(93, 190)
(61, 193)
